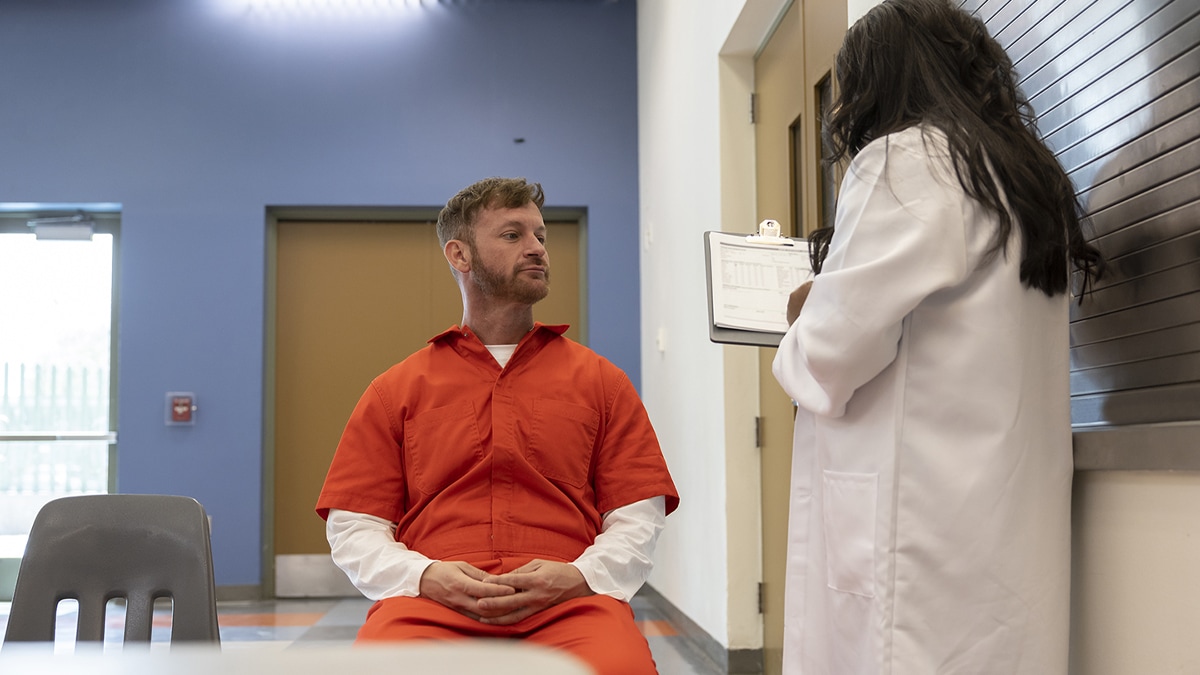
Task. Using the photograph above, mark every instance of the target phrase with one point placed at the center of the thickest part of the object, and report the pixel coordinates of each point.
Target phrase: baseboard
(296, 576)
(733, 661)
(245, 593)
(311, 576)
(746, 661)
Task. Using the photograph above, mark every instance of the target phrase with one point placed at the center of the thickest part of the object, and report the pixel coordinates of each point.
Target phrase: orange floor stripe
(280, 619)
(651, 628)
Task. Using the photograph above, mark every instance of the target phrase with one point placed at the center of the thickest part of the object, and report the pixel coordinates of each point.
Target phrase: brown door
(350, 300)
(788, 74)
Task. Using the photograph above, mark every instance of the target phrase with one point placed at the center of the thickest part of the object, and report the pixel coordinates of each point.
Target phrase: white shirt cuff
(620, 560)
(366, 549)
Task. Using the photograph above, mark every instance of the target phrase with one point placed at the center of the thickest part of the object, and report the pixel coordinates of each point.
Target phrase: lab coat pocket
(562, 437)
(849, 522)
(440, 446)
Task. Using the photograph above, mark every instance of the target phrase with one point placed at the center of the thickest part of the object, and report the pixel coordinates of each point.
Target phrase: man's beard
(512, 286)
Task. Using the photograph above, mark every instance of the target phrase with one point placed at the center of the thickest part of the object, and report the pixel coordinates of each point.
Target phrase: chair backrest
(95, 548)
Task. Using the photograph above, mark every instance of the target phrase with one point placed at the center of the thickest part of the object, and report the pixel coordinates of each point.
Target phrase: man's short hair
(457, 219)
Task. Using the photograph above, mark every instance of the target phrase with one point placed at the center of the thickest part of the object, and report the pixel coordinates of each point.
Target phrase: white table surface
(484, 657)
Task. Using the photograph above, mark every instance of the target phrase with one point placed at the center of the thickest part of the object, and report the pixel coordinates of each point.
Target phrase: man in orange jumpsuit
(504, 481)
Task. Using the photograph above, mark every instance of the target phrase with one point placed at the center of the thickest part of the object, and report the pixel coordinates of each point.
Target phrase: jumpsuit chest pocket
(441, 445)
(562, 439)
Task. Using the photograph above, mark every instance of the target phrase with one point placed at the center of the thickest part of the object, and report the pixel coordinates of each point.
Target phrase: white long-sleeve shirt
(616, 564)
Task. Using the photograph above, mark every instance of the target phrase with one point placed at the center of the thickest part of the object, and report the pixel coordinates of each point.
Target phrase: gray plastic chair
(94, 548)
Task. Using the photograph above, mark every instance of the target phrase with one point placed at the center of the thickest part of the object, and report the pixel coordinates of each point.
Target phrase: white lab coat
(931, 480)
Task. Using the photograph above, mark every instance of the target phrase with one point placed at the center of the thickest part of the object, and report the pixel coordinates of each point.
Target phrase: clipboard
(747, 277)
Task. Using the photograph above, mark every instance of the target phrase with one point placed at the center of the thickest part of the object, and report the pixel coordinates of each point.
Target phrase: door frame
(812, 43)
(277, 214)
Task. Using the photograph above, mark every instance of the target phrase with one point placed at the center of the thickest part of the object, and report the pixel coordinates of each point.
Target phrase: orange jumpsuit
(497, 467)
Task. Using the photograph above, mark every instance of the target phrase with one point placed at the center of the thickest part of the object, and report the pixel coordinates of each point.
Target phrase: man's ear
(458, 255)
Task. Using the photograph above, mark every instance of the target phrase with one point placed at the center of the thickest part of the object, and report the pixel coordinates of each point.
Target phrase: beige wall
(1136, 583)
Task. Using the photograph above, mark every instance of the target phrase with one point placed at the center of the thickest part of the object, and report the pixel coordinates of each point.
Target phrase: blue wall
(196, 116)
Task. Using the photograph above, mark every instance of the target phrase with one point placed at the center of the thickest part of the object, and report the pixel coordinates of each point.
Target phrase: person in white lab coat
(928, 358)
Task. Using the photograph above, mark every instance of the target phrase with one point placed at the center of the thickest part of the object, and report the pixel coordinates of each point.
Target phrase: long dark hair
(927, 62)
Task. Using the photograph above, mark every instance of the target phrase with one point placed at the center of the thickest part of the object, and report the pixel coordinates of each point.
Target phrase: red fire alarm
(181, 407)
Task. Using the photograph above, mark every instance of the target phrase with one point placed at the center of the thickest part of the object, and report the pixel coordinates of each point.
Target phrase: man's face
(508, 257)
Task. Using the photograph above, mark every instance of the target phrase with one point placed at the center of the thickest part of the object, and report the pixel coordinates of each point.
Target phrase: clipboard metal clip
(768, 233)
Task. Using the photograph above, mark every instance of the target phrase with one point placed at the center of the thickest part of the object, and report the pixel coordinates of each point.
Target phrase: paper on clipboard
(750, 282)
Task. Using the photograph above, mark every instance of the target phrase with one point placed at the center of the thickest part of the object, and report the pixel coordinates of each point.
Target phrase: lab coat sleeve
(898, 237)
(620, 560)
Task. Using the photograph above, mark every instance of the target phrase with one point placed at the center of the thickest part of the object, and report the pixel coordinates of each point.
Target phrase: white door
(56, 358)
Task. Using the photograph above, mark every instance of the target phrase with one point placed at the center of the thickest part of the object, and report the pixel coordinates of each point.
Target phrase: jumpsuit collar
(463, 340)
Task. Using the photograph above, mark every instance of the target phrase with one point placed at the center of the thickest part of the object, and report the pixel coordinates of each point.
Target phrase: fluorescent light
(320, 8)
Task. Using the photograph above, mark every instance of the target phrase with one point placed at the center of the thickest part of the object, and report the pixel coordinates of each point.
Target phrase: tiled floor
(283, 624)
